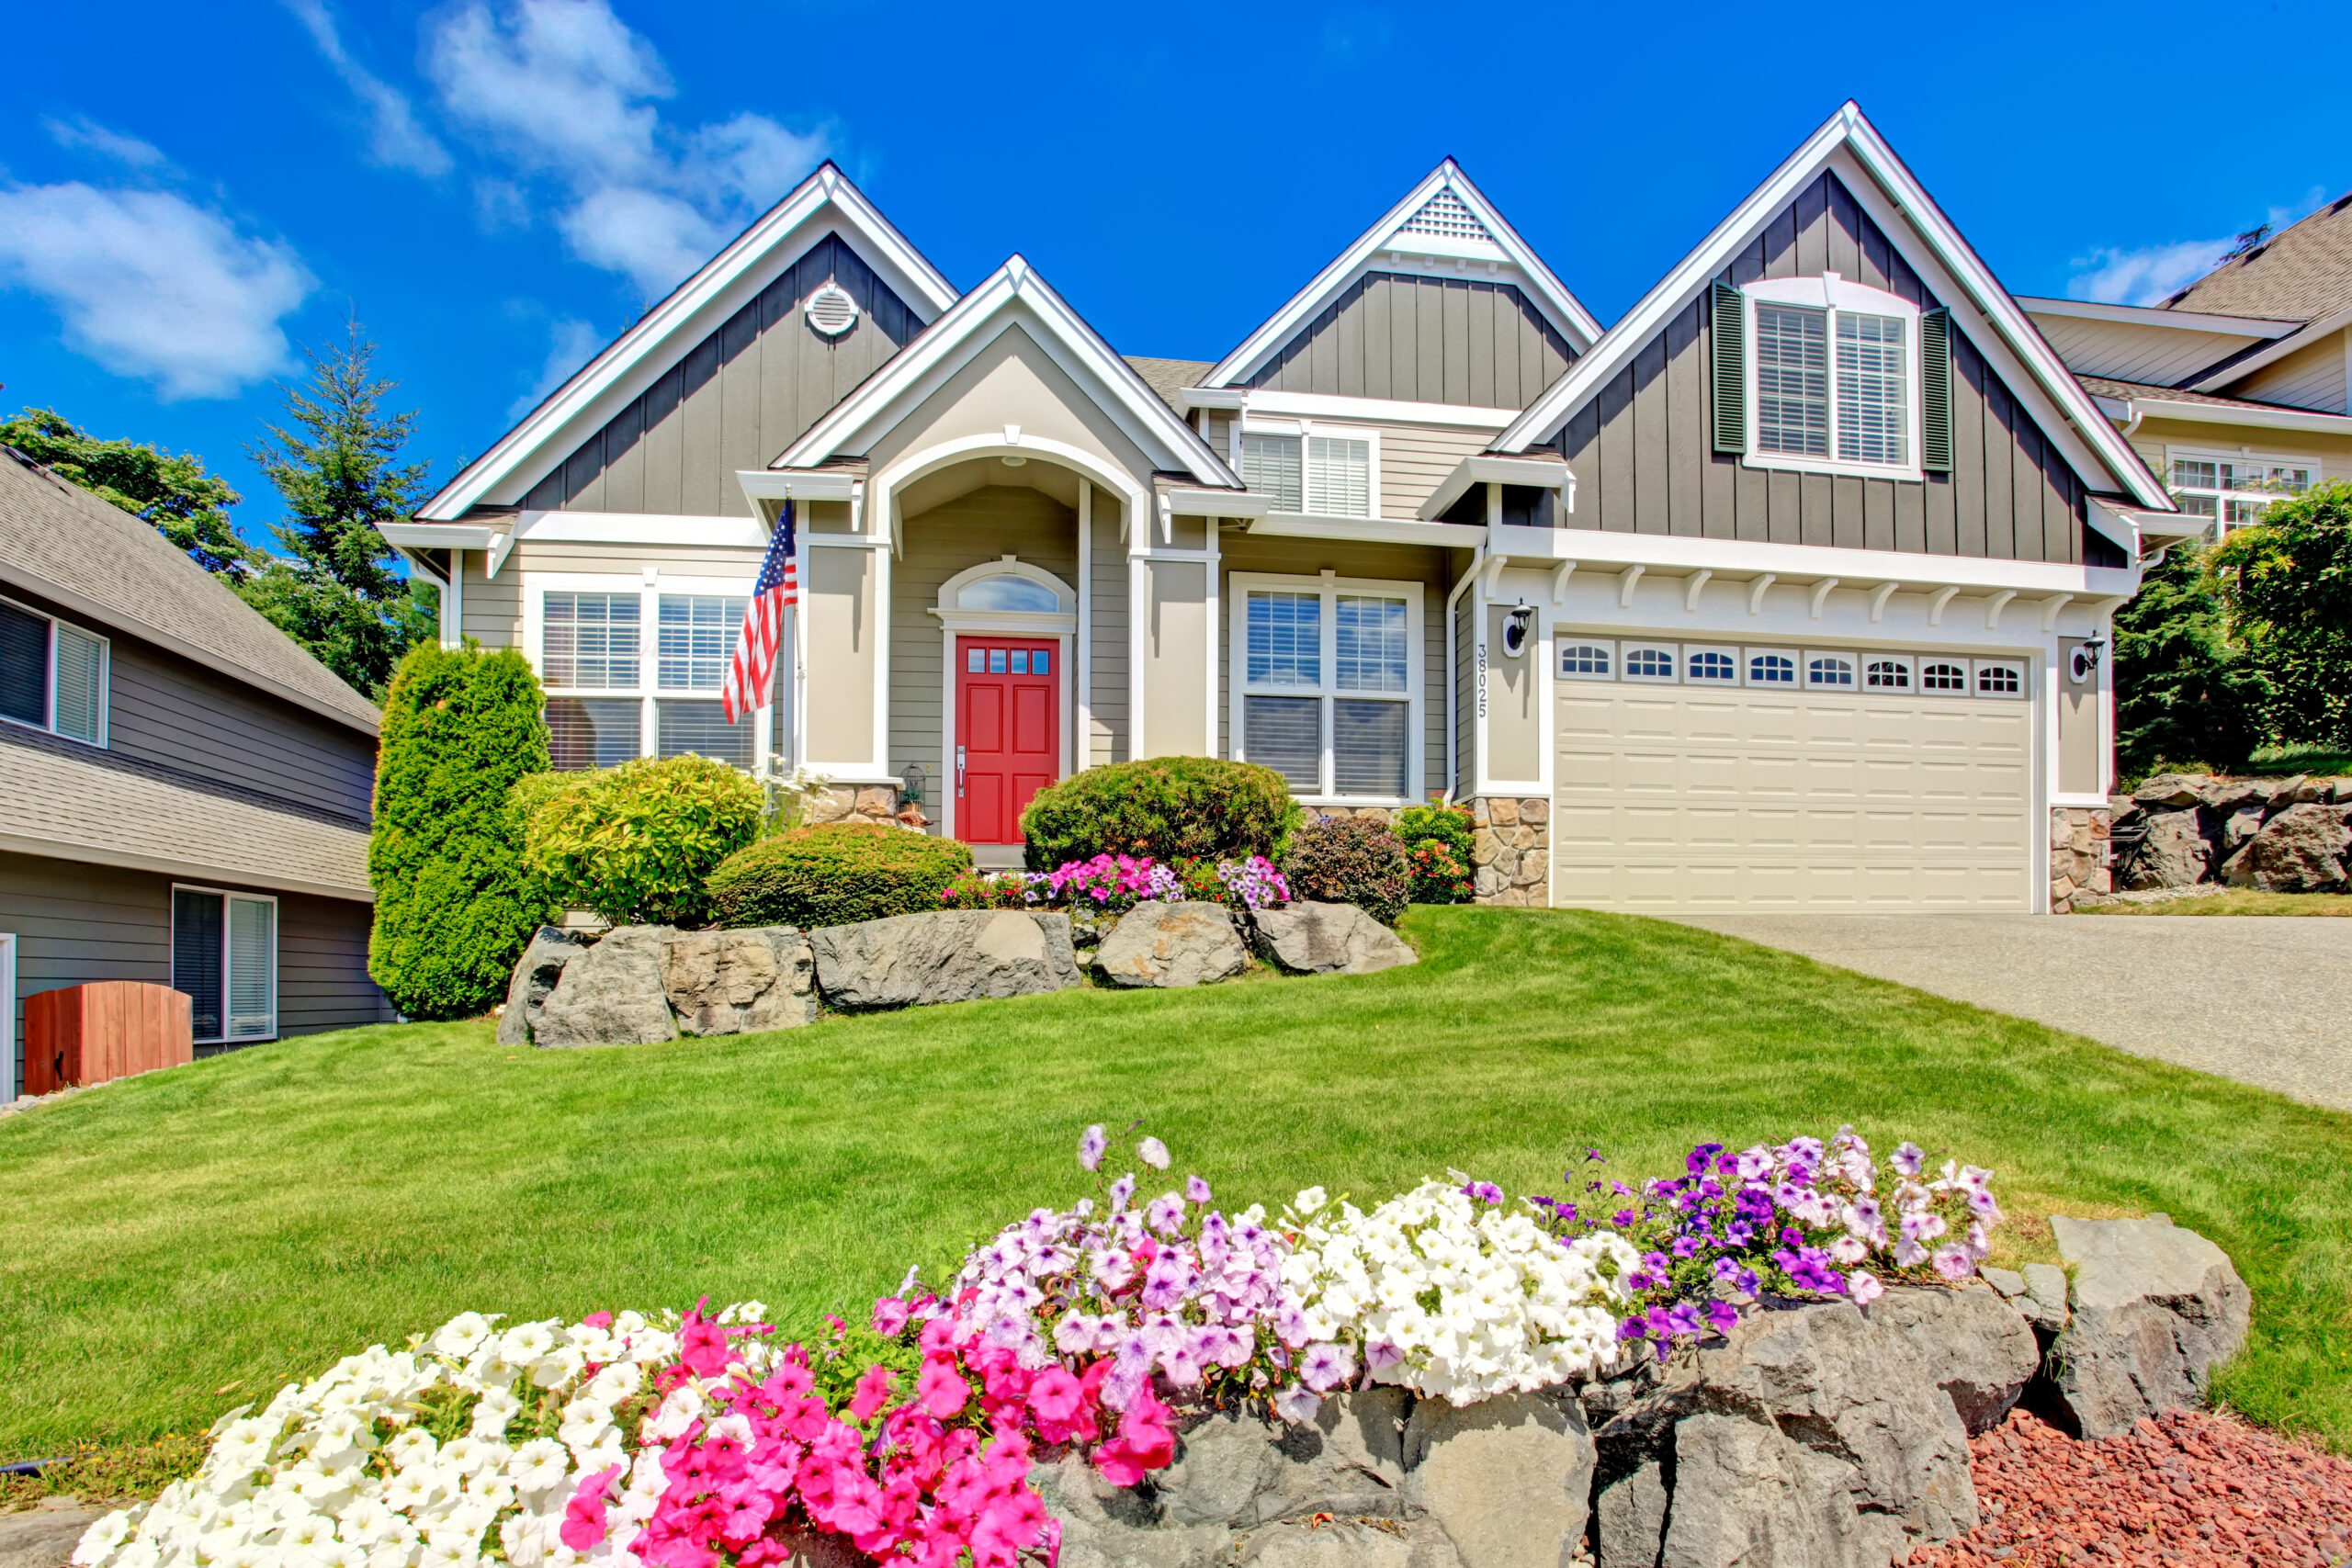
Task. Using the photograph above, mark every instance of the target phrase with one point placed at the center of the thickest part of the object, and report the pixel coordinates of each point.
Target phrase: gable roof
(1444, 217)
(826, 202)
(2070, 418)
(2143, 398)
(99, 563)
(2303, 272)
(1169, 378)
(951, 342)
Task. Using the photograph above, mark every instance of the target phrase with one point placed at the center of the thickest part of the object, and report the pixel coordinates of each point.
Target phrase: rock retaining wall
(2190, 829)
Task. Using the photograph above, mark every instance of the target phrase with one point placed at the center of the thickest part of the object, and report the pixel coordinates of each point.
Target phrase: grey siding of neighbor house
(75, 922)
(1107, 649)
(1423, 340)
(1644, 453)
(735, 400)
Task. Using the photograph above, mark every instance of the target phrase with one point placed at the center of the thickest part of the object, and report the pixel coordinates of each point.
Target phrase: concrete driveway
(2264, 1000)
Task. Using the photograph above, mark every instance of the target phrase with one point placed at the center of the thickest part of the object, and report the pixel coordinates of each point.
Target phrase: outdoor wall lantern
(2084, 659)
(912, 782)
(1517, 627)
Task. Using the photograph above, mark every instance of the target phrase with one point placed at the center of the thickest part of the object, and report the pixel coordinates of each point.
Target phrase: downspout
(1452, 671)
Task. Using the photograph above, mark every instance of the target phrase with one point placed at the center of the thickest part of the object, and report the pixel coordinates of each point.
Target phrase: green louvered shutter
(1728, 335)
(1935, 391)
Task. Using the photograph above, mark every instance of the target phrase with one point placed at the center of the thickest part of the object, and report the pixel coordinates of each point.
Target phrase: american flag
(756, 645)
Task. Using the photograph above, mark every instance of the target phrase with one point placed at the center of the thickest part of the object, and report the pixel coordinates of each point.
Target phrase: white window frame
(227, 955)
(2225, 498)
(2021, 667)
(649, 585)
(10, 1085)
(48, 678)
(1834, 294)
(1956, 661)
(1852, 661)
(1303, 431)
(1629, 647)
(1691, 653)
(1567, 646)
(1330, 587)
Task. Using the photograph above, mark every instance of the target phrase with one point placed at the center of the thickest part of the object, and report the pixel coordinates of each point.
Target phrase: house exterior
(2238, 388)
(1787, 591)
(184, 791)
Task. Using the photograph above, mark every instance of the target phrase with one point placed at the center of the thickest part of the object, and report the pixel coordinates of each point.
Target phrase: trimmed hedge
(453, 903)
(834, 876)
(635, 842)
(1171, 808)
(1346, 860)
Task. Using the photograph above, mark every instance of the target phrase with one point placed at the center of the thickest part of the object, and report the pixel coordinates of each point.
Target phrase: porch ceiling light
(1014, 459)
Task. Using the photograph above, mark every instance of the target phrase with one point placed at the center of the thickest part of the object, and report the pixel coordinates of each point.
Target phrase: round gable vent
(831, 312)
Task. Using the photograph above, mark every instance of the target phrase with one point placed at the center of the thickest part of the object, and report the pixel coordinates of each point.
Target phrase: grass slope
(2234, 901)
(171, 1244)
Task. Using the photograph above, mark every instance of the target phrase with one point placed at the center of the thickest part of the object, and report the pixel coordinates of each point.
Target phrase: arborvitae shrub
(453, 903)
(1171, 808)
(1346, 860)
(636, 842)
(835, 876)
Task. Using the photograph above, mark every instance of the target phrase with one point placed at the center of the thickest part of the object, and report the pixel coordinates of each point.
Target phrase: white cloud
(149, 284)
(2151, 274)
(395, 139)
(566, 92)
(571, 345)
(82, 134)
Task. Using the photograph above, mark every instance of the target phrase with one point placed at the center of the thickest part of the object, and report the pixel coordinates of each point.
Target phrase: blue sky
(497, 187)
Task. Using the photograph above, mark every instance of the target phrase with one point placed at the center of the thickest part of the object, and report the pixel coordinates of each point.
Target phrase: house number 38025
(1482, 680)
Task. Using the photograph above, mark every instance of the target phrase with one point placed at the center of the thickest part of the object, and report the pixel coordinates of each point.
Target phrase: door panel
(1008, 733)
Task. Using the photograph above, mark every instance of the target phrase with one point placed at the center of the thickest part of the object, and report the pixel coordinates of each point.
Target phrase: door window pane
(996, 661)
(1370, 634)
(1269, 465)
(696, 636)
(196, 957)
(1338, 476)
(702, 728)
(1792, 380)
(1009, 591)
(592, 732)
(81, 684)
(1286, 735)
(253, 968)
(1041, 663)
(1285, 639)
(1874, 422)
(1368, 743)
(24, 666)
(591, 639)
(1021, 662)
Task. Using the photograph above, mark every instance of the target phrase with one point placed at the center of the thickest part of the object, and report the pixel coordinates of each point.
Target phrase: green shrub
(1346, 860)
(2286, 583)
(835, 876)
(1171, 808)
(1437, 843)
(985, 890)
(636, 843)
(2186, 693)
(454, 905)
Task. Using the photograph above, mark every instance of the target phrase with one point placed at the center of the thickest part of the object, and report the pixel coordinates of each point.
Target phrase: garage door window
(1649, 662)
(1585, 660)
(1938, 676)
(1996, 679)
(1887, 675)
(1714, 664)
(1771, 668)
(1829, 671)
(1328, 697)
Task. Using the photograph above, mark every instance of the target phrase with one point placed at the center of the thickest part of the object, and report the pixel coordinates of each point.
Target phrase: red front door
(1008, 732)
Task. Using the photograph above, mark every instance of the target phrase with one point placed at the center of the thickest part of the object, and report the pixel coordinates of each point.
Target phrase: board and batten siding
(1425, 340)
(977, 526)
(1644, 456)
(736, 398)
(1107, 654)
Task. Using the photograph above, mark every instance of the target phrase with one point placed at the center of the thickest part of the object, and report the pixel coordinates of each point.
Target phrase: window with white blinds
(637, 672)
(1323, 475)
(590, 640)
(224, 959)
(1271, 464)
(2237, 489)
(697, 637)
(1872, 423)
(1793, 379)
(1326, 691)
(53, 675)
(1833, 377)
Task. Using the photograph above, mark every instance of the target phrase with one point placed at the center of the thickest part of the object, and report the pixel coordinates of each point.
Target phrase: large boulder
(2173, 854)
(612, 994)
(1187, 944)
(954, 955)
(544, 960)
(2299, 851)
(2173, 790)
(740, 982)
(1971, 1343)
(1327, 938)
(1508, 1479)
(2156, 1309)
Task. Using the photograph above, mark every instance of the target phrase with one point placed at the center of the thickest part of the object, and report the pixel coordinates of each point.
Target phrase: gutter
(167, 865)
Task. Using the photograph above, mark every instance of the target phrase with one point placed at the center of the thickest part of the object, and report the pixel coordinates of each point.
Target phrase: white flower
(525, 1343)
(462, 1335)
(538, 1465)
(615, 1383)
(99, 1542)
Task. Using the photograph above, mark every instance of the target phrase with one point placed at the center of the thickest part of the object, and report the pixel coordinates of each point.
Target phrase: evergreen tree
(2186, 693)
(187, 505)
(2287, 585)
(336, 465)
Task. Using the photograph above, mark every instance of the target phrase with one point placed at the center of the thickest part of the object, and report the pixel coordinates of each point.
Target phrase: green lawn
(175, 1243)
(2234, 901)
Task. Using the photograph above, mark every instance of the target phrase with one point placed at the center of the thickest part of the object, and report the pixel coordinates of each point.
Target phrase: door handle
(959, 773)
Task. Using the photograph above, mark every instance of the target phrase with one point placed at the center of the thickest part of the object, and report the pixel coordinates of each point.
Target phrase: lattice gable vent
(1445, 215)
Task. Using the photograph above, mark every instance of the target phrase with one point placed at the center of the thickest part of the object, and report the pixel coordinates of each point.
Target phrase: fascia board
(1674, 552)
(2239, 369)
(776, 484)
(1369, 530)
(645, 528)
(438, 536)
(1377, 410)
(170, 865)
(2151, 316)
(1185, 501)
(2230, 413)
(1547, 473)
(1551, 295)
(825, 203)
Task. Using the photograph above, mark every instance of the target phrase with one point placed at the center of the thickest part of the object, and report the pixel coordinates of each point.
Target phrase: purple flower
(1153, 1153)
(1380, 1355)
(1090, 1147)
(1723, 1315)
(1696, 1161)
(1121, 1191)
(1953, 1262)
(1683, 1319)
(1484, 1191)
(1633, 1328)
(1686, 1247)
(1325, 1367)
(1596, 1154)
(1296, 1405)
(1195, 1190)
(1165, 1214)
(1622, 1218)
(1910, 1159)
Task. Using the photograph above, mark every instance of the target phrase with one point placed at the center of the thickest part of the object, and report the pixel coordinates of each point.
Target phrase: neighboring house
(184, 791)
(1786, 591)
(2239, 387)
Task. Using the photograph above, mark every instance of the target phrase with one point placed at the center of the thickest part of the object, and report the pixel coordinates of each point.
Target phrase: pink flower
(873, 1389)
(889, 1317)
(584, 1516)
(940, 1388)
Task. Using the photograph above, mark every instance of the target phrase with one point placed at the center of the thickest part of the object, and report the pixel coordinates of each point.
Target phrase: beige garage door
(1680, 797)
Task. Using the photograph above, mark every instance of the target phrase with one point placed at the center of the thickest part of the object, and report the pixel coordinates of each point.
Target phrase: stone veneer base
(2078, 854)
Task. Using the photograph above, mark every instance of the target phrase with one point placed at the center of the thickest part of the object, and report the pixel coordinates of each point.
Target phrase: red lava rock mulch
(2186, 1487)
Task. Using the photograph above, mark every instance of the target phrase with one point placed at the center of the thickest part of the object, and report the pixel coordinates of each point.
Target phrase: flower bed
(696, 1440)
(1116, 884)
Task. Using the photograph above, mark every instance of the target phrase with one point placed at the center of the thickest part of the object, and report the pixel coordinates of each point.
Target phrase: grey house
(184, 791)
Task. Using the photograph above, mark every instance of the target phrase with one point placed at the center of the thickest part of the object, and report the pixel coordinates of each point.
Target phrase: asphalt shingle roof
(2301, 273)
(1168, 376)
(2107, 386)
(69, 801)
(114, 567)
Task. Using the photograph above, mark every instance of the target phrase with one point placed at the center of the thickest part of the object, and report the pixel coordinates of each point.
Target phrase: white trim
(49, 677)
(1082, 673)
(825, 203)
(1191, 502)
(637, 528)
(2156, 316)
(770, 484)
(227, 956)
(9, 1087)
(1677, 555)
(2293, 342)
(1548, 471)
(1328, 586)
(2079, 420)
(1369, 530)
(1331, 405)
(1010, 623)
(1833, 296)
(438, 536)
(2262, 417)
(1545, 291)
(647, 585)
(1063, 638)
(923, 366)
